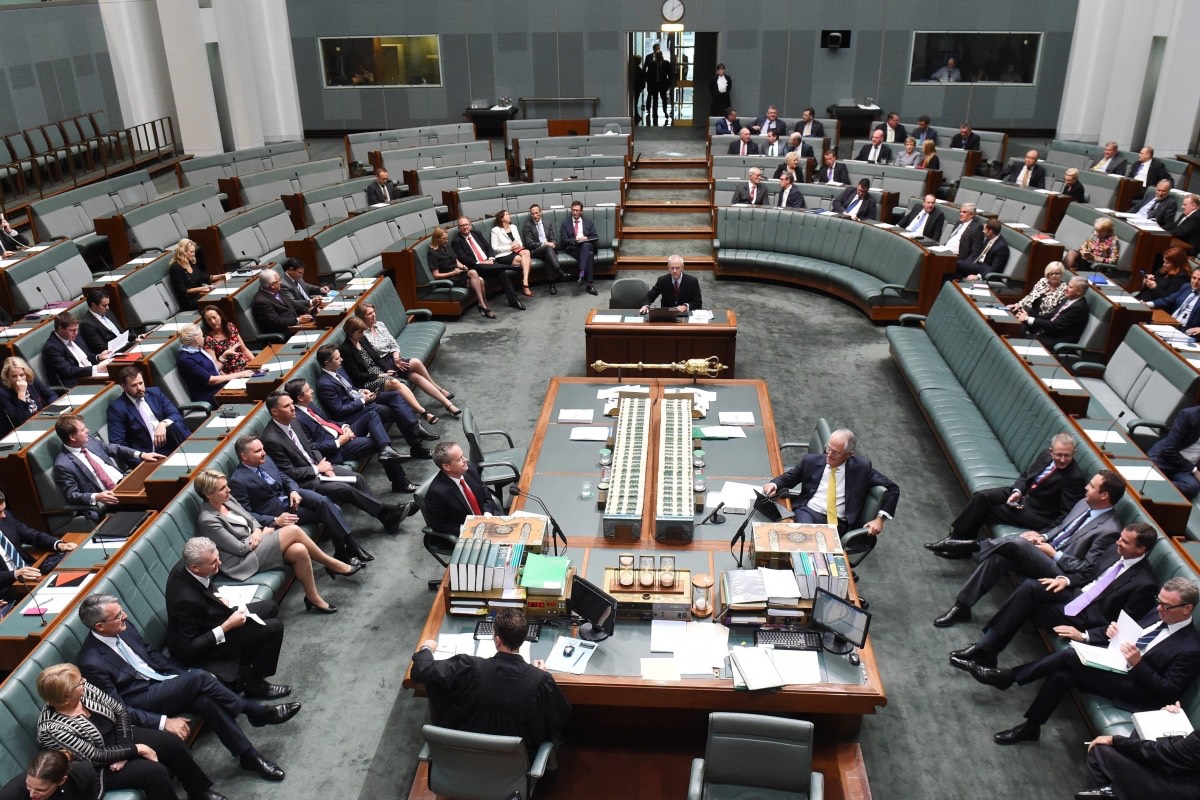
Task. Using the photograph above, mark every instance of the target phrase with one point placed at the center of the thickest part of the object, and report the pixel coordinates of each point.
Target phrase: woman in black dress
(189, 281)
(445, 267)
(368, 368)
(720, 88)
(22, 394)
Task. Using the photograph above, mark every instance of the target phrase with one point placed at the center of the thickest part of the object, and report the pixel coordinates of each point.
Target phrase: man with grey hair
(200, 373)
(157, 689)
(834, 487)
(751, 193)
(966, 239)
(1063, 323)
(456, 491)
(678, 290)
(1111, 162)
(272, 311)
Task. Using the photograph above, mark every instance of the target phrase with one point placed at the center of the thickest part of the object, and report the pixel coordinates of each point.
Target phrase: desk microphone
(41, 612)
(556, 531)
(739, 538)
(716, 517)
(45, 302)
(1107, 431)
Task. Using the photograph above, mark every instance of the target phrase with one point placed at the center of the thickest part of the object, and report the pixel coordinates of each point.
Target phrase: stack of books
(759, 596)
(828, 571)
(546, 581)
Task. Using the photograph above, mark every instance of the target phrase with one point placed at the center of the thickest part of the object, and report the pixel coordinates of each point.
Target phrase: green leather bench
(485, 202)
(551, 168)
(71, 214)
(354, 246)
(1006, 201)
(331, 204)
(206, 170)
(54, 275)
(261, 187)
(360, 145)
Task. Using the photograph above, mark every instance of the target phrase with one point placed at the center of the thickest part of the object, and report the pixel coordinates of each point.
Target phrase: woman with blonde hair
(1047, 292)
(911, 157)
(1101, 248)
(188, 279)
(22, 394)
(929, 156)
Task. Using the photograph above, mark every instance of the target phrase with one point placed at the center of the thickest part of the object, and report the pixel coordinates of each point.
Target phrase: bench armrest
(1093, 367)
(423, 314)
(898, 289)
(912, 320)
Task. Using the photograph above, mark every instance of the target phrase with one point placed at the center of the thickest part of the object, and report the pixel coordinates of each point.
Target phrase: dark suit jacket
(1058, 492)
(901, 133)
(1012, 172)
(192, 613)
(21, 534)
(994, 261)
(445, 508)
(292, 294)
(1157, 171)
(1116, 166)
(1091, 549)
(111, 674)
(529, 234)
(933, 223)
(1184, 433)
(742, 194)
(843, 201)
(860, 477)
(285, 455)
(60, 365)
(689, 292)
(1075, 191)
(322, 440)
(126, 426)
(76, 480)
(806, 151)
(1187, 229)
(818, 128)
(1133, 592)
(780, 149)
(257, 496)
(1171, 758)
(764, 125)
(794, 198)
(840, 173)
(1068, 327)
(94, 334)
(196, 369)
(1164, 212)
(970, 143)
(1163, 673)
(725, 129)
(375, 192)
(885, 153)
(735, 148)
(273, 315)
(463, 251)
(566, 234)
(971, 243)
(1174, 302)
(336, 398)
(929, 134)
(16, 412)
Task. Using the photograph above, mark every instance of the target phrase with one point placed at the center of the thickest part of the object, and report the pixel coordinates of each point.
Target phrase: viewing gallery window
(965, 57)
(359, 62)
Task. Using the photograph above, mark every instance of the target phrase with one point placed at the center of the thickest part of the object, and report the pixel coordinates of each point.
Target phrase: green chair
(479, 766)
(439, 544)
(497, 467)
(755, 756)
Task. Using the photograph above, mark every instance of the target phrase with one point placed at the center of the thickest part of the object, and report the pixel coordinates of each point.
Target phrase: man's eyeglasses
(1168, 606)
(829, 451)
(121, 615)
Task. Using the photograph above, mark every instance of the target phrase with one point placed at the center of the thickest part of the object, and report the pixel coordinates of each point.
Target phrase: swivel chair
(627, 293)
(480, 766)
(749, 755)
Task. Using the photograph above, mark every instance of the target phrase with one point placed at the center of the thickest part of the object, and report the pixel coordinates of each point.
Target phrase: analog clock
(672, 10)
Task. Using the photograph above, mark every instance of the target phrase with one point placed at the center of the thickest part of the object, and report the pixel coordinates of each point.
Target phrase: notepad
(736, 418)
(585, 433)
(576, 414)
(660, 669)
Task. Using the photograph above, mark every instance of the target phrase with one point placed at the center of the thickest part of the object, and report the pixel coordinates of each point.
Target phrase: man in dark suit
(774, 148)
(789, 196)
(893, 132)
(660, 77)
(305, 297)
(1110, 162)
(876, 152)
(65, 356)
(965, 139)
(156, 688)
(851, 478)
(1148, 169)
(831, 171)
(448, 503)
(730, 124)
(383, 190)
(87, 470)
(1123, 581)
(579, 240)
(856, 201)
(966, 238)
(1028, 173)
(797, 145)
(1168, 453)
(15, 565)
(290, 448)
(926, 219)
(99, 326)
(341, 442)
(743, 146)
(923, 132)
(807, 125)
(1078, 548)
(1188, 226)
(1157, 204)
(1163, 661)
(677, 289)
(474, 251)
(1039, 499)
(274, 499)
(992, 258)
(769, 122)
(751, 193)
(538, 236)
(144, 419)
(1130, 767)
(272, 311)
(1063, 323)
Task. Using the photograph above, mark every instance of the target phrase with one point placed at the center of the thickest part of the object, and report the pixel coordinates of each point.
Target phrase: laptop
(662, 315)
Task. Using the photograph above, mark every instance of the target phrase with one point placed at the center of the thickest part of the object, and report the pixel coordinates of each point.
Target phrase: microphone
(41, 612)
(716, 517)
(1108, 430)
(739, 538)
(45, 302)
(557, 532)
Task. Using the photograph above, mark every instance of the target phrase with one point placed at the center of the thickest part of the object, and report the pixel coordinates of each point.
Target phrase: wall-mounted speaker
(835, 40)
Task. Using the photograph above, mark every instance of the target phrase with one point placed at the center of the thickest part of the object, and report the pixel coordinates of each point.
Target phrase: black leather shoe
(268, 770)
(999, 677)
(1024, 732)
(309, 605)
(207, 794)
(355, 566)
(953, 548)
(388, 453)
(957, 613)
(362, 555)
(403, 486)
(277, 715)
(517, 304)
(553, 289)
(591, 289)
(261, 690)
(973, 654)
(417, 451)
(425, 436)
(391, 518)
(1088, 794)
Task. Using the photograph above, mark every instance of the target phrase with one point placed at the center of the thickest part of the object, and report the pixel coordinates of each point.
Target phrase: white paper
(606, 318)
(237, 384)
(181, 459)
(239, 595)
(666, 634)
(226, 423)
(701, 314)
(119, 341)
(797, 666)
(736, 418)
(615, 391)
(1124, 299)
(1128, 630)
(703, 649)
(697, 321)
(574, 664)
(337, 305)
(738, 497)
(306, 337)
(596, 433)
(660, 669)
(14, 331)
(994, 312)
(140, 260)
(700, 394)
(635, 318)
(487, 649)
(576, 414)
(1139, 474)
(1062, 384)
(337, 478)
(1030, 350)
(22, 438)
(145, 348)
(170, 326)
(222, 291)
(1020, 226)
(973, 292)
(723, 432)
(1104, 436)
(452, 644)
(277, 366)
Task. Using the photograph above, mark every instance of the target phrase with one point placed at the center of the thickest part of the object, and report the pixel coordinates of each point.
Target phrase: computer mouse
(568, 650)
(854, 659)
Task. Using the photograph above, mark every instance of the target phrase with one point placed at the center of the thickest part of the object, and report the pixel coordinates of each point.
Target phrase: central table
(629, 342)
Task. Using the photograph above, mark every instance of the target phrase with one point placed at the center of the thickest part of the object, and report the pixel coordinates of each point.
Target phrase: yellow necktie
(831, 499)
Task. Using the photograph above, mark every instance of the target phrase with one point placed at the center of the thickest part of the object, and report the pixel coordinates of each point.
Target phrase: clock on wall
(672, 10)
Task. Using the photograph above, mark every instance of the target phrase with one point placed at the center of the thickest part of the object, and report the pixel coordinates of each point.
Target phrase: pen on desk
(578, 657)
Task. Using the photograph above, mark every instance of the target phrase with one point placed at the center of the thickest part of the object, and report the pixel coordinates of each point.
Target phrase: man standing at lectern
(678, 291)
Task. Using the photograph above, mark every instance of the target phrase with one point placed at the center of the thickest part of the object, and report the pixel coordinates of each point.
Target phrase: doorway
(690, 54)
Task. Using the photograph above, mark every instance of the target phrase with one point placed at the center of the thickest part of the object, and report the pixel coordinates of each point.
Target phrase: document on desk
(660, 669)
(666, 635)
(1030, 350)
(1062, 384)
(240, 595)
(738, 497)
(277, 366)
(994, 312)
(612, 393)
(736, 418)
(225, 423)
(702, 650)
(1140, 474)
(1104, 436)
(722, 432)
(700, 315)
(22, 438)
(797, 667)
(756, 668)
(574, 664)
(635, 319)
(576, 414)
(237, 384)
(591, 433)
(606, 319)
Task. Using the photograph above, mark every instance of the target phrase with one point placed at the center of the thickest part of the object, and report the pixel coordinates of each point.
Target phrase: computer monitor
(843, 622)
(598, 609)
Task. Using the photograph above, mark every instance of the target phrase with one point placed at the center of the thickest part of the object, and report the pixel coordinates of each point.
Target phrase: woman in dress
(94, 726)
(1047, 292)
(1101, 248)
(929, 156)
(445, 267)
(22, 394)
(369, 369)
(411, 369)
(911, 157)
(506, 242)
(1169, 279)
(189, 281)
(247, 549)
(222, 341)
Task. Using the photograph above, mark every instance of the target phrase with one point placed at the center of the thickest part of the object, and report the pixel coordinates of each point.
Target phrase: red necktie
(334, 429)
(752, 193)
(471, 501)
(476, 249)
(743, 149)
(578, 225)
(98, 468)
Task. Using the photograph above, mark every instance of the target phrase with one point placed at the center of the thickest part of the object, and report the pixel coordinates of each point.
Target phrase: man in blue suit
(730, 125)
(1177, 454)
(15, 564)
(144, 419)
(65, 355)
(850, 476)
(578, 237)
(1184, 305)
(87, 469)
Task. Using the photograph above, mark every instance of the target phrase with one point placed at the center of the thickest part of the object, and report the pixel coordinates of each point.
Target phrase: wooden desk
(276, 367)
(658, 342)
(1003, 322)
(1162, 501)
(152, 484)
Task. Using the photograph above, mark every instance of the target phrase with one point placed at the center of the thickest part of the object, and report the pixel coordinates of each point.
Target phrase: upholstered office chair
(749, 755)
(498, 467)
(439, 544)
(627, 293)
(479, 766)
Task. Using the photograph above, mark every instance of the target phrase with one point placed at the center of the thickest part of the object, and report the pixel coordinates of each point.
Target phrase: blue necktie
(12, 552)
(262, 473)
(144, 670)
(1070, 530)
(1149, 636)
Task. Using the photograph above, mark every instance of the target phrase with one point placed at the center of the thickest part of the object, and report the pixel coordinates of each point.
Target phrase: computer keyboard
(786, 637)
(486, 629)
